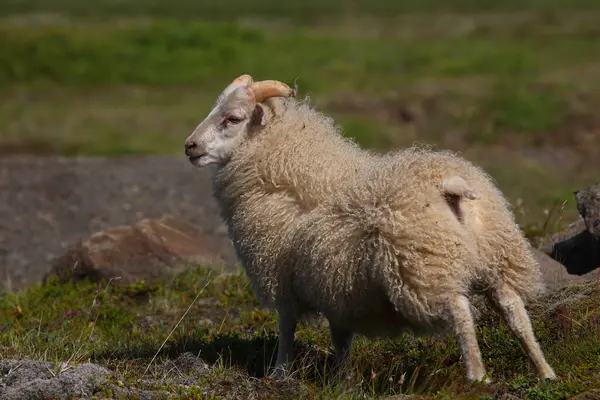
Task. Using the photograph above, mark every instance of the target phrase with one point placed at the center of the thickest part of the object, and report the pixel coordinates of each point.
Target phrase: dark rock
(149, 250)
(554, 274)
(569, 231)
(580, 254)
(588, 204)
(577, 247)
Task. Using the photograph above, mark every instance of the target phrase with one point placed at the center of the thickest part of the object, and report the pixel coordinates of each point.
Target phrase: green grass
(489, 80)
(160, 52)
(306, 10)
(513, 107)
(124, 327)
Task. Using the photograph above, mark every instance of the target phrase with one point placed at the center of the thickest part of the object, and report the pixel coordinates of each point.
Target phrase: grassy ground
(139, 331)
(512, 85)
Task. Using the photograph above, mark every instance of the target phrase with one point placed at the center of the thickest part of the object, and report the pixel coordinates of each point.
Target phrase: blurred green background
(513, 85)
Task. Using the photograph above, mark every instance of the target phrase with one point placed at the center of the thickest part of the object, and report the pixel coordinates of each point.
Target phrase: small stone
(150, 249)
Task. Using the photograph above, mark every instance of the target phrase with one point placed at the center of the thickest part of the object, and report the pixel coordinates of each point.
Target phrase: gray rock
(188, 362)
(588, 204)
(29, 379)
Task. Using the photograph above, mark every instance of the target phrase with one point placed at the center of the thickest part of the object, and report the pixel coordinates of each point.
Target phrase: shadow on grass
(256, 355)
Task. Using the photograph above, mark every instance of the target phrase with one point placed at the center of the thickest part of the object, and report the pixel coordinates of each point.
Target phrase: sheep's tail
(457, 186)
(455, 189)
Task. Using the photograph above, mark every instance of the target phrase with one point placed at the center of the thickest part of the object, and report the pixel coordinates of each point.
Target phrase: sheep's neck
(301, 171)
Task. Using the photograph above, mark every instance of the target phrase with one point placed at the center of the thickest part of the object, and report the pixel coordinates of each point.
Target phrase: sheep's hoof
(280, 373)
(483, 380)
(549, 376)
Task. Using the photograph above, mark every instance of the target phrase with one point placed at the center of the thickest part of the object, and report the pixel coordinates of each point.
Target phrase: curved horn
(243, 80)
(265, 89)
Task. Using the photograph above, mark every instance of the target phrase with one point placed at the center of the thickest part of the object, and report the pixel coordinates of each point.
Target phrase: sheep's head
(238, 112)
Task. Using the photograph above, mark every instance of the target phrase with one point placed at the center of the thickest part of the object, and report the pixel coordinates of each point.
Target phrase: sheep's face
(237, 113)
(224, 129)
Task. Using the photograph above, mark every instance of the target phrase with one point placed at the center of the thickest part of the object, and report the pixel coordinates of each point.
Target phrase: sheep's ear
(260, 115)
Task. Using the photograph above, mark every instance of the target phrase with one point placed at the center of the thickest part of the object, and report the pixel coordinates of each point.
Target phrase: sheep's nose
(190, 145)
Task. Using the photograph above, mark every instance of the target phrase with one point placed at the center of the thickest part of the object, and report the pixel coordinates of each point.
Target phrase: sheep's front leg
(515, 314)
(287, 323)
(464, 328)
(341, 338)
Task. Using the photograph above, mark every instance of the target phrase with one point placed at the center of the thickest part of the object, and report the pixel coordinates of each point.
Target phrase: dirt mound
(47, 204)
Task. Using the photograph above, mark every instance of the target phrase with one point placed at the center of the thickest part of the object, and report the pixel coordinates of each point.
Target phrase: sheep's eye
(232, 119)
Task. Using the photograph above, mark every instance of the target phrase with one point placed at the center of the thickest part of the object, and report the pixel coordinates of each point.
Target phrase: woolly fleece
(367, 239)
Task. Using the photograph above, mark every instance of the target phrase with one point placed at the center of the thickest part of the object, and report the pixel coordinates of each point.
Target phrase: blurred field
(513, 85)
(226, 9)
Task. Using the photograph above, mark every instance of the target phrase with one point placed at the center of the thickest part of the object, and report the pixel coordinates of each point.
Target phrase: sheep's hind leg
(514, 312)
(464, 328)
(341, 339)
(287, 322)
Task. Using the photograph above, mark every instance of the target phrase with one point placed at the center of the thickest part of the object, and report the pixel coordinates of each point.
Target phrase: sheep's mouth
(199, 160)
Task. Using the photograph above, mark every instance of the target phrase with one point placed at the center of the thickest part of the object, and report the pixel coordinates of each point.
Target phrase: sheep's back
(502, 249)
(377, 248)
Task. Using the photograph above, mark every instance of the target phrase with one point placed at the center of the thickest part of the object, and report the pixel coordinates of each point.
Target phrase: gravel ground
(47, 203)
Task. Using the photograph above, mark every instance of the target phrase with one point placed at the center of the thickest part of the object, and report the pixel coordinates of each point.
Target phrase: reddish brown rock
(149, 250)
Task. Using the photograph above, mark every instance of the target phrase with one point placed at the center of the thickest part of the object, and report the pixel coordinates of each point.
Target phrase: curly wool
(367, 239)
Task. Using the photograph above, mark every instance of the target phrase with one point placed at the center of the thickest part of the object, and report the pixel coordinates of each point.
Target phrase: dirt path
(47, 203)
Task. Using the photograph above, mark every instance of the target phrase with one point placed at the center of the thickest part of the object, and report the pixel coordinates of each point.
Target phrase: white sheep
(376, 243)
